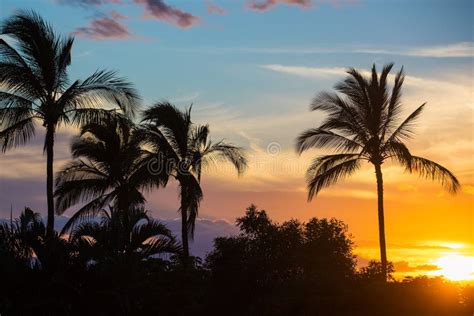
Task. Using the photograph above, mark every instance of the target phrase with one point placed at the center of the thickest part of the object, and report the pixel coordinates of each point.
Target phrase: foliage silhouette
(268, 269)
(186, 148)
(109, 167)
(34, 87)
(267, 261)
(128, 236)
(362, 125)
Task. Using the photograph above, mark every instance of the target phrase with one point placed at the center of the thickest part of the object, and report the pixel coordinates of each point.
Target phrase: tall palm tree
(129, 235)
(362, 125)
(185, 148)
(34, 87)
(109, 168)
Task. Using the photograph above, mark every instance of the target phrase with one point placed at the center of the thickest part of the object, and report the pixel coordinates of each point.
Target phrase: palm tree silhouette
(186, 149)
(16, 237)
(109, 168)
(25, 240)
(34, 86)
(127, 235)
(361, 125)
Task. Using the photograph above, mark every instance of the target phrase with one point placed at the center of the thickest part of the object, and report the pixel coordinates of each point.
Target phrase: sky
(250, 68)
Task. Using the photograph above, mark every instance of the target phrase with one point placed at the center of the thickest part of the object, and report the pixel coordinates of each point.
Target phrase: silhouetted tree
(128, 236)
(374, 272)
(15, 236)
(25, 240)
(186, 148)
(34, 86)
(274, 267)
(109, 167)
(362, 125)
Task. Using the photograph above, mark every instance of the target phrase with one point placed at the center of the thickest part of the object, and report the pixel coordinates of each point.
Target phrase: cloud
(265, 5)
(158, 9)
(205, 232)
(215, 9)
(89, 2)
(462, 49)
(453, 50)
(468, 189)
(404, 266)
(303, 71)
(103, 27)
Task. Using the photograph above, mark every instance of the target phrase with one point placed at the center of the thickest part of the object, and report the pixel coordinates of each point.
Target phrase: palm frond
(434, 171)
(394, 106)
(77, 182)
(174, 124)
(320, 138)
(222, 151)
(87, 212)
(37, 42)
(17, 133)
(102, 88)
(328, 170)
(405, 129)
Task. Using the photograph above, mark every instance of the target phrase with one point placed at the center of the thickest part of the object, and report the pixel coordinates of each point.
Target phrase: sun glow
(456, 267)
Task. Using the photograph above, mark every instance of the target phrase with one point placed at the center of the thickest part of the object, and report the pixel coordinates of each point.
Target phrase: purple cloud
(215, 9)
(104, 27)
(158, 9)
(89, 2)
(265, 5)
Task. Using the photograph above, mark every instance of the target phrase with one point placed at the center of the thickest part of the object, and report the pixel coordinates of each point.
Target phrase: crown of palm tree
(118, 233)
(109, 167)
(363, 123)
(187, 149)
(34, 84)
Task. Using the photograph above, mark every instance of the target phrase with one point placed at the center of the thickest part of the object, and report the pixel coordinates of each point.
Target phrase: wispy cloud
(303, 71)
(265, 5)
(103, 27)
(453, 50)
(158, 9)
(214, 8)
(462, 49)
(321, 72)
(86, 3)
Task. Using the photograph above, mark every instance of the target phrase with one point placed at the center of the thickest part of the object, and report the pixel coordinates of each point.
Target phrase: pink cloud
(158, 9)
(214, 9)
(89, 2)
(117, 15)
(105, 27)
(264, 5)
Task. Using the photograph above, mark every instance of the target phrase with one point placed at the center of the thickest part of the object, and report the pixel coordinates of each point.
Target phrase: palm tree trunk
(383, 249)
(184, 225)
(49, 143)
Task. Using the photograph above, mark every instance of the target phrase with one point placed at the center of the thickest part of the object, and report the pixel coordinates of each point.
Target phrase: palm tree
(109, 168)
(186, 149)
(24, 241)
(16, 237)
(362, 125)
(34, 87)
(129, 235)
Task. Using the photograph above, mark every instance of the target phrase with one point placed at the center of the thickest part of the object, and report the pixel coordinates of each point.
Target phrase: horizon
(252, 78)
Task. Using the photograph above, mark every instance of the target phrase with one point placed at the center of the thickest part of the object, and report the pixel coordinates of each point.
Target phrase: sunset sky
(250, 68)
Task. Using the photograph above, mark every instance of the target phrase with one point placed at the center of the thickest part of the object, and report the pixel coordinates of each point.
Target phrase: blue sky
(252, 73)
(219, 58)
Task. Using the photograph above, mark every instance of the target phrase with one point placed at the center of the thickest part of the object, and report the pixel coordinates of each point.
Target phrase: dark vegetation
(291, 268)
(113, 258)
